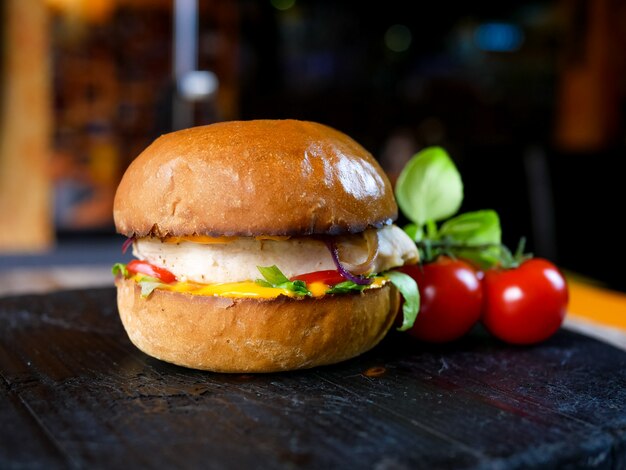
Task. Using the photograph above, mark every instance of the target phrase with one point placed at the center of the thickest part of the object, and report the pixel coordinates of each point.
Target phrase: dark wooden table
(76, 393)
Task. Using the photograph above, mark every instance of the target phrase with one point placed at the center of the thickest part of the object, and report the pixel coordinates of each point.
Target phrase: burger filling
(236, 259)
(268, 267)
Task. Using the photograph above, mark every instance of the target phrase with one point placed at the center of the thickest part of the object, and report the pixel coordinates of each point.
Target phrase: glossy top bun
(247, 178)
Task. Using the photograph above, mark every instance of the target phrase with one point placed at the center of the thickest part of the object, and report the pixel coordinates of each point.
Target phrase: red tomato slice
(143, 267)
(329, 277)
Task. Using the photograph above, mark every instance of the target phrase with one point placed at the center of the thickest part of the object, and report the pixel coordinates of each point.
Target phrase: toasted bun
(247, 178)
(249, 335)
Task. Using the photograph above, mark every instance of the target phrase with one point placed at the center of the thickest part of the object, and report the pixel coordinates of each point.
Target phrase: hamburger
(261, 246)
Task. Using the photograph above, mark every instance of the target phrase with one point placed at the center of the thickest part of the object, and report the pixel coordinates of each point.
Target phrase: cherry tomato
(451, 299)
(329, 277)
(143, 267)
(524, 305)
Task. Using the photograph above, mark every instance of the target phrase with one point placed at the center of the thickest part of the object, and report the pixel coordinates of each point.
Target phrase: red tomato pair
(522, 305)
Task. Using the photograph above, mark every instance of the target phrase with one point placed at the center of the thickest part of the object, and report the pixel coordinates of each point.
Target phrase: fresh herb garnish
(345, 288)
(120, 269)
(148, 284)
(474, 229)
(430, 190)
(273, 277)
(408, 288)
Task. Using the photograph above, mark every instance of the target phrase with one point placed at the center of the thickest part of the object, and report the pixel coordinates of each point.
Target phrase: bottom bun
(249, 335)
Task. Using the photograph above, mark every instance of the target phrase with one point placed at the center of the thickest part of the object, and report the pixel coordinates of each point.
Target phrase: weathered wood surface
(74, 392)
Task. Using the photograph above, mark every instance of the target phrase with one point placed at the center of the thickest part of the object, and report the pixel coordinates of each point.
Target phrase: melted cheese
(206, 240)
(231, 289)
(318, 289)
(247, 289)
(203, 239)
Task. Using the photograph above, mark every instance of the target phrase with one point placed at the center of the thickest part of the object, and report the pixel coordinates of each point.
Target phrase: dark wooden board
(76, 393)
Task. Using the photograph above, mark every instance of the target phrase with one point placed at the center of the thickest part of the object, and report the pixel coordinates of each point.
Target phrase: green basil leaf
(345, 288)
(414, 232)
(148, 284)
(272, 274)
(429, 187)
(275, 278)
(408, 288)
(297, 287)
(480, 228)
(120, 268)
(477, 227)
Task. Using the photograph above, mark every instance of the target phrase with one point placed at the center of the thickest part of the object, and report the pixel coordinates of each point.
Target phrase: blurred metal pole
(184, 58)
(541, 202)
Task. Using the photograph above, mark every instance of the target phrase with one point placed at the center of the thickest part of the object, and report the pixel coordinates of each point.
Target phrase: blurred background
(527, 97)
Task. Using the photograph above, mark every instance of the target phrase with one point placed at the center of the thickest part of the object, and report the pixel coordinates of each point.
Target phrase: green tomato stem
(519, 252)
(431, 229)
(419, 233)
(430, 250)
(509, 260)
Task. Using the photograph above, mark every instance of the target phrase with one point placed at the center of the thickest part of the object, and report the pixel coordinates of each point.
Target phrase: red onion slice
(127, 243)
(371, 238)
(360, 280)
